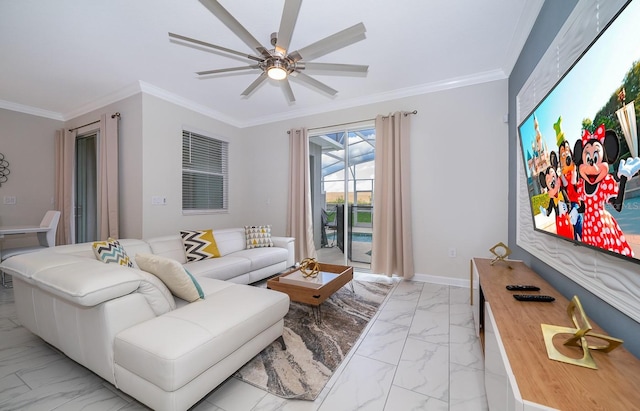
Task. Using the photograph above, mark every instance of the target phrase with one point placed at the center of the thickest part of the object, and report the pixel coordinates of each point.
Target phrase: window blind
(205, 172)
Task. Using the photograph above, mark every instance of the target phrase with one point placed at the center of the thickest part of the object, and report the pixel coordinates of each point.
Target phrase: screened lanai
(342, 176)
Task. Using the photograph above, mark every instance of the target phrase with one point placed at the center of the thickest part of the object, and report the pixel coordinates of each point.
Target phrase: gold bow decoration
(309, 267)
(578, 339)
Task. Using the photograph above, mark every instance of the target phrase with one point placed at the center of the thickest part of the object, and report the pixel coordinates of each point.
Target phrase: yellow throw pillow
(177, 279)
(199, 244)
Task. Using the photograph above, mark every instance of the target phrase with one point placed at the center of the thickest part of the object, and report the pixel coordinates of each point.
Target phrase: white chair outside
(45, 239)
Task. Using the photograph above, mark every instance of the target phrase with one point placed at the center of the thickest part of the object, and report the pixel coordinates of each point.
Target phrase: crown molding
(150, 89)
(103, 101)
(188, 104)
(427, 88)
(34, 111)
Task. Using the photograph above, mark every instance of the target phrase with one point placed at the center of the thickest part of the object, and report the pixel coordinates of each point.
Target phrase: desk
(21, 229)
(17, 229)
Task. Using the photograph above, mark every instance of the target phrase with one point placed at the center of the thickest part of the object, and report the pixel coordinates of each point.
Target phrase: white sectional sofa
(123, 323)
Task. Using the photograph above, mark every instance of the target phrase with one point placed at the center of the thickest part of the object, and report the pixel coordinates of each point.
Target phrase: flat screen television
(580, 145)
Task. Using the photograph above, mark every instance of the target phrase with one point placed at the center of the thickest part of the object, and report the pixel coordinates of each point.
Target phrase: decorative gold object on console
(309, 267)
(501, 251)
(578, 337)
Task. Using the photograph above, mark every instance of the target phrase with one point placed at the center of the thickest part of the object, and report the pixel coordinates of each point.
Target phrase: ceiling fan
(279, 63)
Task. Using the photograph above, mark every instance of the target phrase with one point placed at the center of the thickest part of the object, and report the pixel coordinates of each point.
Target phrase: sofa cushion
(224, 268)
(258, 236)
(134, 246)
(169, 246)
(181, 283)
(263, 257)
(209, 287)
(199, 244)
(156, 293)
(230, 240)
(82, 281)
(111, 251)
(171, 350)
(85, 250)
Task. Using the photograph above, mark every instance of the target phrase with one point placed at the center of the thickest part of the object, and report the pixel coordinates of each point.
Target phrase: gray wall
(551, 18)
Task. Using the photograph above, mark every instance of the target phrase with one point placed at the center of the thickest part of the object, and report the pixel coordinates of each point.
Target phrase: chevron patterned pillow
(258, 236)
(199, 244)
(111, 251)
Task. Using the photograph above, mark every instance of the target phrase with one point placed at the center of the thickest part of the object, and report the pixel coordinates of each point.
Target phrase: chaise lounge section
(126, 326)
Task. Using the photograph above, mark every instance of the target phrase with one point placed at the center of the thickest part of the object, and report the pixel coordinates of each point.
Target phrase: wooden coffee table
(310, 294)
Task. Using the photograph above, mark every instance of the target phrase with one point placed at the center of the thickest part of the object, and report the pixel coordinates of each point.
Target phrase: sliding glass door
(86, 194)
(342, 173)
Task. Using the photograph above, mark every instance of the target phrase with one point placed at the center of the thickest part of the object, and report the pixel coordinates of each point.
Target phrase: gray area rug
(314, 351)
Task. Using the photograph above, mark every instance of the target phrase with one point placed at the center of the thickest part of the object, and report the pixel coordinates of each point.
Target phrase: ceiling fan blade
(313, 82)
(227, 70)
(213, 46)
(286, 86)
(354, 68)
(287, 23)
(262, 77)
(331, 43)
(234, 25)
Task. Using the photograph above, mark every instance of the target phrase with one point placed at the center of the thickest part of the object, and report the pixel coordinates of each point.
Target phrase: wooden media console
(518, 373)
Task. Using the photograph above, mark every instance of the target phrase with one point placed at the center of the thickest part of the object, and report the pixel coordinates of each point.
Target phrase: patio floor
(360, 259)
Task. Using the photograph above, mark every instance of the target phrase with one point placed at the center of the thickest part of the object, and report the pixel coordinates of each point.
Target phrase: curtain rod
(114, 115)
(405, 113)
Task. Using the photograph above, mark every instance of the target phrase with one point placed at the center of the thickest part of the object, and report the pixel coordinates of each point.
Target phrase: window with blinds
(205, 172)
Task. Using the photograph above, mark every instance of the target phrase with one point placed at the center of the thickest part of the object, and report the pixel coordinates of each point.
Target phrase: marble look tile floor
(419, 352)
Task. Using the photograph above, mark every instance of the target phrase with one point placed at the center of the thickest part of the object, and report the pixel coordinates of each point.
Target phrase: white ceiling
(63, 58)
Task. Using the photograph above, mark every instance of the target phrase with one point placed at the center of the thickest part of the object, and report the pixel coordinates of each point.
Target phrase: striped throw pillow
(199, 244)
(111, 251)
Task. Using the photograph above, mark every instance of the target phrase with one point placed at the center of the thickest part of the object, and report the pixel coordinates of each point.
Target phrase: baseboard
(435, 279)
(427, 278)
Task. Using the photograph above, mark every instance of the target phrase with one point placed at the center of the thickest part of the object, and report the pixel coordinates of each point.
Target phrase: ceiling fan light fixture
(277, 71)
(278, 63)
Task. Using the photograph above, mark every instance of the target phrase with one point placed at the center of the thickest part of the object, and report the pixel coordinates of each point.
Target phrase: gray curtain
(299, 214)
(392, 248)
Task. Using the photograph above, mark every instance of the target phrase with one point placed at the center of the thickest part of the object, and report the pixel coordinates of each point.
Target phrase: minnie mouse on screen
(592, 155)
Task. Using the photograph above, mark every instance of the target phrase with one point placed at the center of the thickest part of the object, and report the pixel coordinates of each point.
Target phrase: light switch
(159, 200)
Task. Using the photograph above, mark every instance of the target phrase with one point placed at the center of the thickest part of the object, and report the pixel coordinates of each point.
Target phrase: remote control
(535, 297)
(518, 287)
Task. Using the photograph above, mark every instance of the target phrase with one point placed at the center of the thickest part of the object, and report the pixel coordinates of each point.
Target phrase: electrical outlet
(10, 200)
(453, 253)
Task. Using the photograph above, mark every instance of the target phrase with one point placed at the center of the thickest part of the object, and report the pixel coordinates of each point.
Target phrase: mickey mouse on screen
(592, 155)
(569, 178)
(558, 198)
